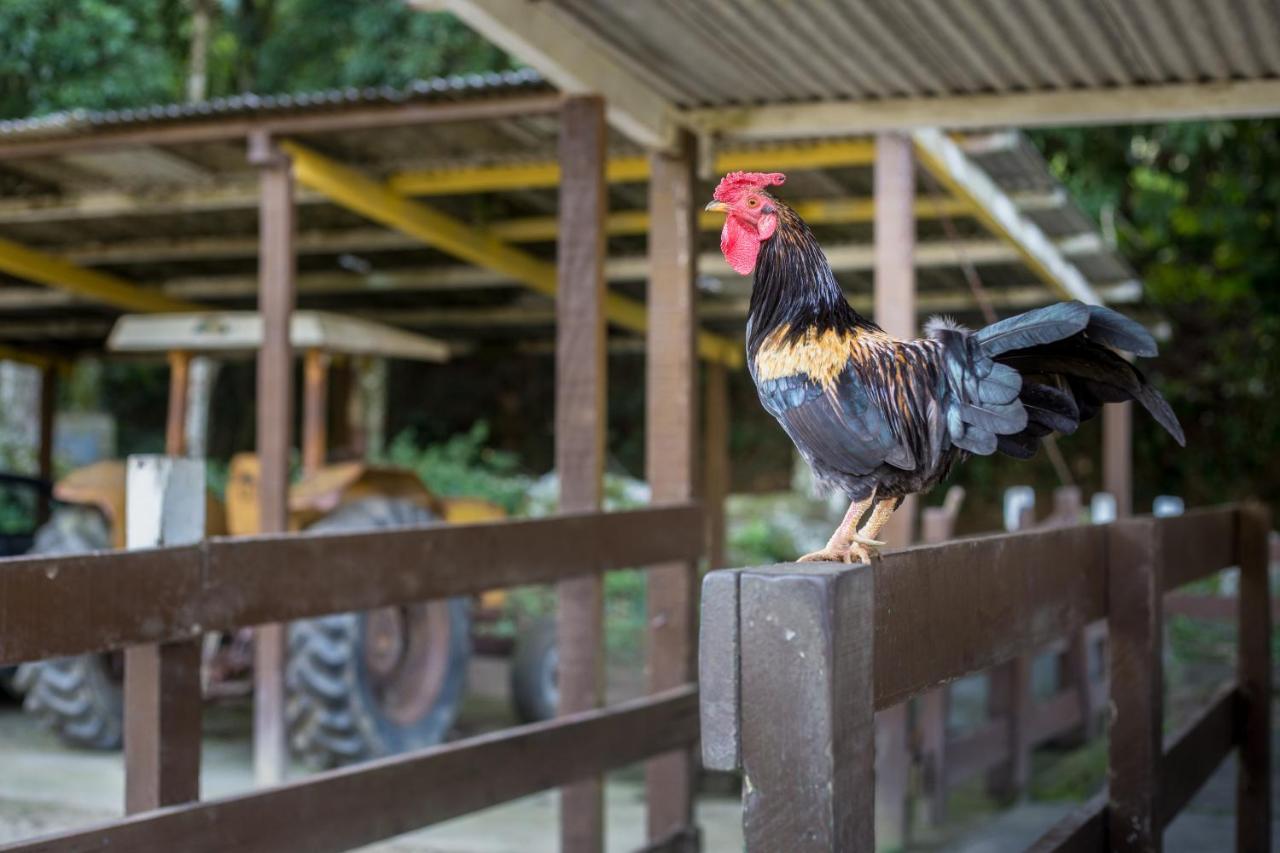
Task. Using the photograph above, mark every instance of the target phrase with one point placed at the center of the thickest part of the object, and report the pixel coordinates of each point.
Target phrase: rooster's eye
(753, 202)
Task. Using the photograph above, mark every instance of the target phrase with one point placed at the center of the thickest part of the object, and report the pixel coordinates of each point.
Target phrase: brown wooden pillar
(276, 271)
(1117, 455)
(315, 410)
(580, 432)
(162, 695)
(1135, 623)
(671, 416)
(175, 426)
(44, 453)
(1253, 781)
(895, 312)
(716, 472)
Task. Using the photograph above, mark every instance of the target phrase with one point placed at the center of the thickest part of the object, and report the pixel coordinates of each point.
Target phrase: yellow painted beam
(21, 262)
(814, 211)
(546, 173)
(379, 202)
(35, 359)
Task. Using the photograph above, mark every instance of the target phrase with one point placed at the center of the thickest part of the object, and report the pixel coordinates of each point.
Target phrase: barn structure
(562, 203)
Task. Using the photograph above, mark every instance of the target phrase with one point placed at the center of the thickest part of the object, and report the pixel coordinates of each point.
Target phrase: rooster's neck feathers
(796, 289)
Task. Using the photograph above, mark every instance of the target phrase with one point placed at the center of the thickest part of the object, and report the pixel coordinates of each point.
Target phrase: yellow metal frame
(29, 264)
(978, 210)
(546, 173)
(815, 211)
(358, 193)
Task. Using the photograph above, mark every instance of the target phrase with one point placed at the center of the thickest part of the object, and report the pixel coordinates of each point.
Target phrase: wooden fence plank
(162, 700)
(808, 735)
(355, 806)
(1192, 754)
(1136, 632)
(1083, 831)
(1199, 543)
(932, 639)
(127, 598)
(1253, 791)
(581, 371)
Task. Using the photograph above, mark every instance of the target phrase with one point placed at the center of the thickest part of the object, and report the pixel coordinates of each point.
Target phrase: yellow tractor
(359, 685)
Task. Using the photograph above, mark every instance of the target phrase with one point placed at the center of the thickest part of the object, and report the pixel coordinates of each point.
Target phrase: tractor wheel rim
(408, 658)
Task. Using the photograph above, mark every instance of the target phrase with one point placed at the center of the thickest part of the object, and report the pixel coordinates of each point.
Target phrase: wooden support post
(1253, 792)
(580, 432)
(1117, 455)
(1009, 697)
(165, 506)
(1135, 623)
(175, 427)
(937, 525)
(276, 273)
(717, 474)
(44, 453)
(895, 274)
(315, 410)
(895, 311)
(344, 407)
(807, 681)
(671, 418)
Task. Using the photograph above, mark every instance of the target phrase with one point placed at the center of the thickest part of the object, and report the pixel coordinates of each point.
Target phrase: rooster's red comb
(735, 182)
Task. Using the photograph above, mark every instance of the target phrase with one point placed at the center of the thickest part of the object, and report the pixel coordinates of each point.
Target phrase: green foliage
(463, 466)
(97, 54)
(1197, 212)
(61, 54)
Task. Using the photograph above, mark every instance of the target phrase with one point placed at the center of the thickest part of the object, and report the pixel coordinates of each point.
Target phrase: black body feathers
(873, 413)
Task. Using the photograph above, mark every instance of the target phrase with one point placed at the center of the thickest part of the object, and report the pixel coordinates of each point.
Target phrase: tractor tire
(78, 698)
(366, 685)
(9, 687)
(535, 664)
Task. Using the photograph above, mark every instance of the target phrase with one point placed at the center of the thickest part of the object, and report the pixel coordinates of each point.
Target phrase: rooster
(881, 418)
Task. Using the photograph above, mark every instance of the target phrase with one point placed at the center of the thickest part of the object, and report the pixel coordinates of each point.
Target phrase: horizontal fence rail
(352, 807)
(66, 605)
(825, 647)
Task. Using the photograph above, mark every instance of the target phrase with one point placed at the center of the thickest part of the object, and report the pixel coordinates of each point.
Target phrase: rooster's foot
(856, 552)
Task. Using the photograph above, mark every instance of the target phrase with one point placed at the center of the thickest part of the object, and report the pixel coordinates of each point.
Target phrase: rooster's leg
(863, 543)
(837, 550)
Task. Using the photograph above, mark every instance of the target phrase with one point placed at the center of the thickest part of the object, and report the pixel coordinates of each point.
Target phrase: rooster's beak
(718, 206)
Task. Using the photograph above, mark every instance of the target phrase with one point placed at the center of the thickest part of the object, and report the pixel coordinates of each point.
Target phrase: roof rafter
(1127, 105)
(948, 163)
(92, 285)
(376, 201)
(567, 55)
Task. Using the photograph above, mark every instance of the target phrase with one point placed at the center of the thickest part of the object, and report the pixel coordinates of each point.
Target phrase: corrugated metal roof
(456, 87)
(742, 52)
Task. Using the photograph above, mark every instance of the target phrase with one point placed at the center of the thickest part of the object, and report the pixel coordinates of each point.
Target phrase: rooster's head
(752, 215)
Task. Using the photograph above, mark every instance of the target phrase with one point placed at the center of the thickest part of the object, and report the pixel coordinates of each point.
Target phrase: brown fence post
(580, 432)
(937, 525)
(1135, 623)
(1009, 696)
(165, 506)
(671, 416)
(1253, 797)
(808, 731)
(276, 272)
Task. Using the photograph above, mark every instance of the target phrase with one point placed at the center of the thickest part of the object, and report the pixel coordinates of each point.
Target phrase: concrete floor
(46, 787)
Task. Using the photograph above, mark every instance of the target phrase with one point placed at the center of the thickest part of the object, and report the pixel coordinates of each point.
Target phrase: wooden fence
(795, 660)
(164, 597)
